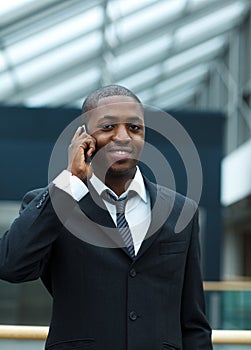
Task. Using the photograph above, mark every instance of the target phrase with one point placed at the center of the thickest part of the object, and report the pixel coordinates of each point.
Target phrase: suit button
(132, 273)
(39, 205)
(133, 316)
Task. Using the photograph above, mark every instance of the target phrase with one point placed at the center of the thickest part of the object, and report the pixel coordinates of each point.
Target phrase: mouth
(120, 154)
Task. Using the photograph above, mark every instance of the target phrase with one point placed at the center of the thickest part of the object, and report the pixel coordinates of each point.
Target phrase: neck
(117, 181)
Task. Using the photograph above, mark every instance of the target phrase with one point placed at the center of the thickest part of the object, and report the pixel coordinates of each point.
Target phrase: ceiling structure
(54, 52)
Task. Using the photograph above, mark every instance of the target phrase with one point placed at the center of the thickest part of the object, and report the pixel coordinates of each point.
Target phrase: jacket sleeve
(196, 332)
(26, 246)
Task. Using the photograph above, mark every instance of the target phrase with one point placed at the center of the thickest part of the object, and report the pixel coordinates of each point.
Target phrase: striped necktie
(122, 223)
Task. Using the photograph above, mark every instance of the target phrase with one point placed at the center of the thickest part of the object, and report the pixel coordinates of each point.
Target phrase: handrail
(219, 337)
(231, 337)
(23, 332)
(227, 286)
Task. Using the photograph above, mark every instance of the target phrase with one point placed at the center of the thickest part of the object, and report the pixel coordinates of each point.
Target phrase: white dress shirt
(138, 207)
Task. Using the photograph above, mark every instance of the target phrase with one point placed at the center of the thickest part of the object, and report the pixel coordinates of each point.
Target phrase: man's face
(117, 124)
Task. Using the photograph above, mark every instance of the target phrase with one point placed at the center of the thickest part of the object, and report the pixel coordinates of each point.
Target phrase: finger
(84, 140)
(90, 152)
(77, 133)
(89, 145)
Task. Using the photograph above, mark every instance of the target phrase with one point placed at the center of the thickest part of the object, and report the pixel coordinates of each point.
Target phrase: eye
(135, 127)
(107, 127)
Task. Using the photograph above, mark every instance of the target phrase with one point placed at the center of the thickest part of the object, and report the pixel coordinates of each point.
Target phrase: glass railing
(33, 338)
(228, 307)
(228, 304)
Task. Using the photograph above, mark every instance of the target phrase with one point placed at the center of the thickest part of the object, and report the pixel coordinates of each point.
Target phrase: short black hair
(93, 98)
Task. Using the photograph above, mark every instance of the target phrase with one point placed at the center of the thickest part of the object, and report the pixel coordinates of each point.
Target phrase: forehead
(121, 107)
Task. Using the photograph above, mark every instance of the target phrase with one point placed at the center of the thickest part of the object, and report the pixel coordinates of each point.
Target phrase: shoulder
(181, 209)
(177, 198)
(31, 195)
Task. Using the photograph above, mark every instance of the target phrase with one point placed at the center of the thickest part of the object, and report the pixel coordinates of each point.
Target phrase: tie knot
(120, 203)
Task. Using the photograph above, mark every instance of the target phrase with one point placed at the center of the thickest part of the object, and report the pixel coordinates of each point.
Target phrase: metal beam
(43, 17)
(136, 42)
(69, 71)
(105, 77)
(19, 14)
(176, 100)
(167, 75)
(172, 91)
(164, 28)
(72, 96)
(77, 67)
(174, 51)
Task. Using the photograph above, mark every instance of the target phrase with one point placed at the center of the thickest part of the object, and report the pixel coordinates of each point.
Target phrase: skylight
(121, 8)
(210, 47)
(207, 23)
(59, 59)
(13, 5)
(142, 52)
(62, 91)
(157, 13)
(59, 34)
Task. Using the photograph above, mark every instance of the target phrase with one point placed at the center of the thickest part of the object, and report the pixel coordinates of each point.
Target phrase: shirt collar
(137, 184)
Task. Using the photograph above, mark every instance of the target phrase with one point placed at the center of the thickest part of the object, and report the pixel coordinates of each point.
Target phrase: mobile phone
(84, 130)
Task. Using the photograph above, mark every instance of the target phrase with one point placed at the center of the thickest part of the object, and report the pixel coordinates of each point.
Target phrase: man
(120, 277)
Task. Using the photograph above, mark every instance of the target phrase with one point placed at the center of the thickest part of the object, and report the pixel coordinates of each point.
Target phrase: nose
(121, 134)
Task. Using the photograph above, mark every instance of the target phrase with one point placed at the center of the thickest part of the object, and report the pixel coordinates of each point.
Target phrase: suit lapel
(94, 208)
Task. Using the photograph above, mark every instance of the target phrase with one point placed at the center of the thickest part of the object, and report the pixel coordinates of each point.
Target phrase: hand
(82, 147)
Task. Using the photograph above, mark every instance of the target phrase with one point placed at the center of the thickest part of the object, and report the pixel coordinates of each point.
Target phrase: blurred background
(190, 58)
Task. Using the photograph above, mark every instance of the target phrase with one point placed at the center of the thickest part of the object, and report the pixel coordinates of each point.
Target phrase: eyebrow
(130, 119)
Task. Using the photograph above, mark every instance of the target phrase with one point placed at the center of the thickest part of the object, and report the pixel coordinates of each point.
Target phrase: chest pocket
(172, 247)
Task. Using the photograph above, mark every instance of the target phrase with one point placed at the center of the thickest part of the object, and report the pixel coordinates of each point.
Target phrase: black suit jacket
(102, 298)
